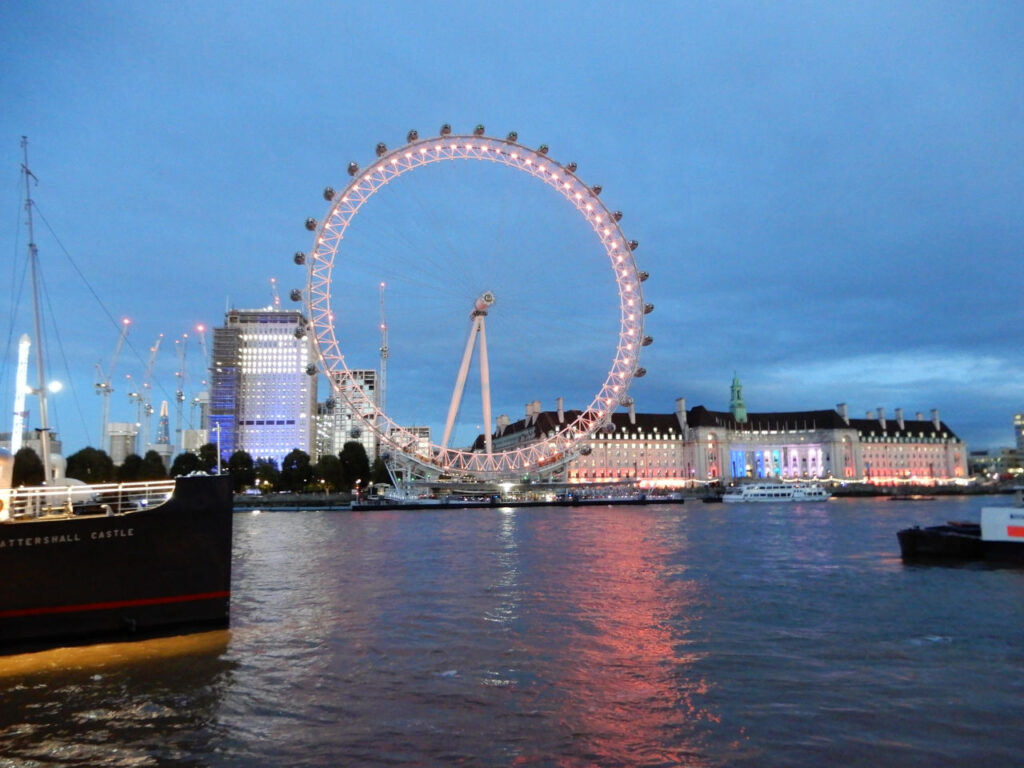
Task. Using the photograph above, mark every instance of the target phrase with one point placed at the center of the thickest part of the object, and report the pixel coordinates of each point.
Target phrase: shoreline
(343, 501)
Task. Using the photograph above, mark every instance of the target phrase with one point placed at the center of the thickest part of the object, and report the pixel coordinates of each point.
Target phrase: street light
(216, 428)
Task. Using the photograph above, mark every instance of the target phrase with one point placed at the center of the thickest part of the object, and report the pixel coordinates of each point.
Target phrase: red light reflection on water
(624, 679)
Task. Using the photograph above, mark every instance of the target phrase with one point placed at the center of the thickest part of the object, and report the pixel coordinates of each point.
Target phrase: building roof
(700, 416)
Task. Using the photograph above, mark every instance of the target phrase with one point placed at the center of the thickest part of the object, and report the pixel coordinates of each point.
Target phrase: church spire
(736, 404)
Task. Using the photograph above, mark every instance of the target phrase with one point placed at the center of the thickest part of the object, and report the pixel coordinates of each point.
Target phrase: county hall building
(666, 450)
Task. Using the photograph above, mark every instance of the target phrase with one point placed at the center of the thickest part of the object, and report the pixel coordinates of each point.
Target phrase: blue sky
(828, 196)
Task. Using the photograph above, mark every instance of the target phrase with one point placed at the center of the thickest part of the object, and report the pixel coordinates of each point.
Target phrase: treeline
(297, 473)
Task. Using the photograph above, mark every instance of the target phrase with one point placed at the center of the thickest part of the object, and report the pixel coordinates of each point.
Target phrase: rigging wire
(110, 317)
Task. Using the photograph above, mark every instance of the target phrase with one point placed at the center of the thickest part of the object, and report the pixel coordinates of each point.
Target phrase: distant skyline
(828, 197)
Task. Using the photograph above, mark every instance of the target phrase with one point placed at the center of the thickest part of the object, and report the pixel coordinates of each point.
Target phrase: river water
(694, 635)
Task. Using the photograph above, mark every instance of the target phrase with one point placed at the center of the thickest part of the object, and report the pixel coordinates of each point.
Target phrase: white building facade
(693, 446)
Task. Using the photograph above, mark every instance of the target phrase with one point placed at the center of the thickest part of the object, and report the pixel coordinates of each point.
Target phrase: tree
(380, 473)
(355, 465)
(329, 472)
(185, 464)
(208, 457)
(130, 469)
(153, 467)
(267, 475)
(242, 469)
(296, 471)
(91, 466)
(28, 468)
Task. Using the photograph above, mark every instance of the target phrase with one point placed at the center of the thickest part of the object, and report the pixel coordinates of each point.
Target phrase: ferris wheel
(562, 441)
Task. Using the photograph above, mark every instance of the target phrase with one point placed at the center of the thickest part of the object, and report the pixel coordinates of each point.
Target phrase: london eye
(327, 267)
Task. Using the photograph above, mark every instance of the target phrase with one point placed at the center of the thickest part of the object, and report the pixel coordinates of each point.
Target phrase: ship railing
(75, 500)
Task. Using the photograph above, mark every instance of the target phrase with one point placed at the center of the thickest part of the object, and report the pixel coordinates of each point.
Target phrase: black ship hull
(955, 542)
(148, 571)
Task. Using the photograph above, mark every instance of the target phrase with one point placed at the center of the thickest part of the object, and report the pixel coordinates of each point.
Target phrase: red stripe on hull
(115, 604)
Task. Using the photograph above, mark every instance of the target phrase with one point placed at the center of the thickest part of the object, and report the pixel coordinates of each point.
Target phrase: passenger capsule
(382, 149)
(300, 258)
(512, 136)
(479, 130)
(647, 341)
(300, 333)
(648, 308)
(586, 450)
(644, 275)
(310, 224)
(330, 403)
(617, 215)
(633, 245)
(639, 373)
(596, 189)
(328, 193)
(296, 294)
(353, 169)
(446, 130)
(311, 369)
(570, 167)
(542, 149)
(412, 135)
(355, 433)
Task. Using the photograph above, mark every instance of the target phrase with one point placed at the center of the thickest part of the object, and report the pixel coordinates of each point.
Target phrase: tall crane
(141, 397)
(201, 331)
(273, 293)
(104, 387)
(179, 395)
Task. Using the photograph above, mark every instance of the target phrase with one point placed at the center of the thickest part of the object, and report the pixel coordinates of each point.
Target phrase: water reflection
(608, 639)
(119, 704)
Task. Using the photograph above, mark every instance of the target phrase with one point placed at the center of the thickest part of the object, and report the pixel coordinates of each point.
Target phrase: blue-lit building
(262, 395)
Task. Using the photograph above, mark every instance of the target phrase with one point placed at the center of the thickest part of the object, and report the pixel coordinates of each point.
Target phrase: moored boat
(85, 562)
(997, 537)
(775, 493)
(80, 561)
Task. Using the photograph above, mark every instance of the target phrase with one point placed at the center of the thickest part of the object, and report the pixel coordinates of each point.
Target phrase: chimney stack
(899, 418)
(681, 413)
(844, 413)
(632, 411)
(561, 410)
(935, 419)
(919, 416)
(881, 416)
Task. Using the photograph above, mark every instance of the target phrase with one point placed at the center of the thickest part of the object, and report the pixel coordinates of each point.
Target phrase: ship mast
(33, 258)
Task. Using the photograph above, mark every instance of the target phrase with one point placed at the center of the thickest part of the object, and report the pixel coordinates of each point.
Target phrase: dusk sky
(829, 197)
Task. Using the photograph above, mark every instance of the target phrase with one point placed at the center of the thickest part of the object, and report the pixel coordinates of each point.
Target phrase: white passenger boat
(776, 492)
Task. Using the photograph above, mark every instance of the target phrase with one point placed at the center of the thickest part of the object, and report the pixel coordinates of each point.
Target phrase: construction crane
(104, 388)
(179, 395)
(141, 397)
(196, 403)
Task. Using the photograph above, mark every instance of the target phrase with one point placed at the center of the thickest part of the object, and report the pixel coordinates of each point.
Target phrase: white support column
(485, 386)
(480, 307)
(460, 383)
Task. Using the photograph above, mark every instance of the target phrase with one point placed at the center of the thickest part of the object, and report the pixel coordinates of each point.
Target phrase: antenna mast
(273, 292)
(382, 385)
(33, 257)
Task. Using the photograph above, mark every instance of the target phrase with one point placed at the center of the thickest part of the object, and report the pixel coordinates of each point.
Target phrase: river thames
(692, 635)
